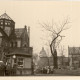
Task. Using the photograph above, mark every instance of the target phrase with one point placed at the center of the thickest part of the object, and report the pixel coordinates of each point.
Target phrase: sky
(31, 13)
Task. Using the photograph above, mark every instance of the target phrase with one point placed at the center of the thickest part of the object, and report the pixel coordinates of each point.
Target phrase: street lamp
(14, 64)
(14, 56)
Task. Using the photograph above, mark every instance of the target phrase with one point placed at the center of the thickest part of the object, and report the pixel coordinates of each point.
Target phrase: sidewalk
(67, 72)
(59, 72)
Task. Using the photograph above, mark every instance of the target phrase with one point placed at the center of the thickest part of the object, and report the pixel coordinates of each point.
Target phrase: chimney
(25, 27)
(29, 34)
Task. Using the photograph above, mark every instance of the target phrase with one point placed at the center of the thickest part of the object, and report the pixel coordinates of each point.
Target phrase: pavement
(58, 72)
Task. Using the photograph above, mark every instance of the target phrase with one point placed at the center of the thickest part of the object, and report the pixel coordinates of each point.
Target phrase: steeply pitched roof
(19, 32)
(74, 50)
(5, 16)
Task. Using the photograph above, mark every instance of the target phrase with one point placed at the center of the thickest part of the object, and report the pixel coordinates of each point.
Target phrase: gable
(18, 32)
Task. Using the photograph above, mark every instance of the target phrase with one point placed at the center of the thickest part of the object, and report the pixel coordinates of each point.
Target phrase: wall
(24, 72)
(27, 62)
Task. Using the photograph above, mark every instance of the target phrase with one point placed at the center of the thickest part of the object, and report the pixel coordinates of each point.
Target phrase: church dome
(42, 53)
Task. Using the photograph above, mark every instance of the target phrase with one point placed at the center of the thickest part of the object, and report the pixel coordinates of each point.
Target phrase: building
(74, 56)
(63, 62)
(42, 53)
(15, 45)
(48, 61)
(44, 60)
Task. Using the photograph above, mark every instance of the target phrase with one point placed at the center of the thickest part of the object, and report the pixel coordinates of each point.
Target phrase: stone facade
(15, 45)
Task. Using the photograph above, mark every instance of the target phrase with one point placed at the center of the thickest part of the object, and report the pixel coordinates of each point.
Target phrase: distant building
(44, 60)
(63, 62)
(42, 53)
(48, 61)
(15, 43)
(74, 56)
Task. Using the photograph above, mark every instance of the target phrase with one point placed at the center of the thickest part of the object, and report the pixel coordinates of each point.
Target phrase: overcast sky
(30, 13)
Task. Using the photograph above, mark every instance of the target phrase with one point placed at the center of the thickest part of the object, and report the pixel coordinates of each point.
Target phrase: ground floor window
(20, 62)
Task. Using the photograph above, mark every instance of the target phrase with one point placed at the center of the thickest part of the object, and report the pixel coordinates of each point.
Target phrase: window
(18, 43)
(1, 22)
(7, 30)
(5, 23)
(20, 62)
(8, 23)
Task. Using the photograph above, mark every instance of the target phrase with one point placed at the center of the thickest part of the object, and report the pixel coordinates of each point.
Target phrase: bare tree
(55, 34)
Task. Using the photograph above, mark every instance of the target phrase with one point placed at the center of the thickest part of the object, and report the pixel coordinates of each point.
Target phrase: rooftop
(5, 16)
(19, 32)
(74, 50)
(43, 53)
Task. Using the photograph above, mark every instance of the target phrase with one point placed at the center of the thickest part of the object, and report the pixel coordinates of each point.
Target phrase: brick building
(15, 45)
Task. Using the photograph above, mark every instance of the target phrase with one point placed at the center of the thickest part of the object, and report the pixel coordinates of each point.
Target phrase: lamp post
(14, 56)
(14, 64)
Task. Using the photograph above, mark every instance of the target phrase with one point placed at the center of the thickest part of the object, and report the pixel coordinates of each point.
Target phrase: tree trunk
(55, 60)
(54, 55)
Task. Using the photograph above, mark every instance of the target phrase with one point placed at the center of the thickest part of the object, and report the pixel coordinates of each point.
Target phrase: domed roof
(5, 16)
(43, 53)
